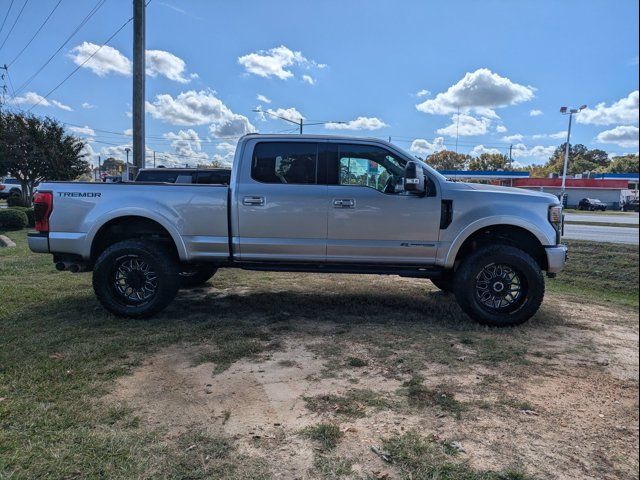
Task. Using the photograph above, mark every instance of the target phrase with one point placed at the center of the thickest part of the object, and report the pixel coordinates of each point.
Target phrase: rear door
(371, 219)
(281, 203)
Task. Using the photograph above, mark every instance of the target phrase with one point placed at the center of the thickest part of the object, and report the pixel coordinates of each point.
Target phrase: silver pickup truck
(307, 203)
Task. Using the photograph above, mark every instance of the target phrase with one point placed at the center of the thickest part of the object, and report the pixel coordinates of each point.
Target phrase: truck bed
(194, 215)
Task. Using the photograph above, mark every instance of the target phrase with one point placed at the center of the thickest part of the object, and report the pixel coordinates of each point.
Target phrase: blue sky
(387, 69)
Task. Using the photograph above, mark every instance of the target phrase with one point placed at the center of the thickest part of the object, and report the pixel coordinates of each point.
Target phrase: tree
(581, 160)
(112, 166)
(624, 164)
(489, 161)
(33, 149)
(448, 160)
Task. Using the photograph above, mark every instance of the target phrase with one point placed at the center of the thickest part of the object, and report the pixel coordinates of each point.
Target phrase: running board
(416, 271)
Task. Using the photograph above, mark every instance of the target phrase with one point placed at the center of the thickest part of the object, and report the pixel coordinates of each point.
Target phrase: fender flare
(499, 220)
(141, 213)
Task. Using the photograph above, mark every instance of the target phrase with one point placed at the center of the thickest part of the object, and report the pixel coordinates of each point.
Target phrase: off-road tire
(160, 261)
(196, 275)
(470, 285)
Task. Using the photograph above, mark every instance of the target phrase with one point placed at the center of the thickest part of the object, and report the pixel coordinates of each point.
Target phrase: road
(628, 235)
(628, 218)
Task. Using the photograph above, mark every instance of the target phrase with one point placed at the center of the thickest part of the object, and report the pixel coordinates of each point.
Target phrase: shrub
(15, 201)
(31, 221)
(12, 219)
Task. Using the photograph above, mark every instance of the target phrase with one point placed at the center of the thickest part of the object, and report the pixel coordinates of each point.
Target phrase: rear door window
(285, 162)
(214, 177)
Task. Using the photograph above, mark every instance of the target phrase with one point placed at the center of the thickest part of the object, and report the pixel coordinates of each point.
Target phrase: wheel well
(125, 228)
(507, 235)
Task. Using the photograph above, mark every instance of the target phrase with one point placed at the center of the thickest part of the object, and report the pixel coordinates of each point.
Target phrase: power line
(6, 16)
(14, 23)
(81, 65)
(91, 13)
(36, 34)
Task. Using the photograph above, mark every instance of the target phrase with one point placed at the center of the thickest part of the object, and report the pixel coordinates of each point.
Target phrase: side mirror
(414, 179)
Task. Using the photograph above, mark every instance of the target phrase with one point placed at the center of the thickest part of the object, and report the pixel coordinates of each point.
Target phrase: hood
(552, 199)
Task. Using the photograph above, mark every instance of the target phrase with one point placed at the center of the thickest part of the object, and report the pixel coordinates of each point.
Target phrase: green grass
(603, 224)
(600, 272)
(420, 396)
(326, 434)
(421, 457)
(353, 403)
(61, 353)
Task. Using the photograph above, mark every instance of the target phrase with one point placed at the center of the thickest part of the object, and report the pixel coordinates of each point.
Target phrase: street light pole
(570, 112)
(127, 150)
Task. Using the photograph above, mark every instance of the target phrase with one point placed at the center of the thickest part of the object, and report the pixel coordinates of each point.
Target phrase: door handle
(253, 201)
(344, 203)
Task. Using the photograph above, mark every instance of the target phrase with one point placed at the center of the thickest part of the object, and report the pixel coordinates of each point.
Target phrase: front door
(281, 204)
(371, 219)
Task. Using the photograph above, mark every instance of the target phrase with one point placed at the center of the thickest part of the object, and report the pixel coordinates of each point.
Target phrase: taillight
(1, 187)
(42, 208)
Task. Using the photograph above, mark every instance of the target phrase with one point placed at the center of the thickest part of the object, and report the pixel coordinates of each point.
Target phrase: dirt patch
(557, 398)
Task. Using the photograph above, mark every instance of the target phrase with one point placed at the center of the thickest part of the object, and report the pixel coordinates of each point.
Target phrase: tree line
(581, 160)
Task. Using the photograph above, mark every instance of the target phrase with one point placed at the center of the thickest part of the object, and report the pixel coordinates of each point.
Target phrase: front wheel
(135, 278)
(499, 285)
(194, 275)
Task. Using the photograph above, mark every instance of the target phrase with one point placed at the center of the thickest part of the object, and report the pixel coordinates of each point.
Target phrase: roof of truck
(298, 136)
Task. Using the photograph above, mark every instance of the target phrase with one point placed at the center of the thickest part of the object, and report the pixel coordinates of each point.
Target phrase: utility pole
(570, 112)
(154, 159)
(3, 87)
(138, 82)
(510, 157)
(99, 167)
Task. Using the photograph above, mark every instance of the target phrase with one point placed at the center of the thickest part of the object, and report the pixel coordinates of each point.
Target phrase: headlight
(555, 215)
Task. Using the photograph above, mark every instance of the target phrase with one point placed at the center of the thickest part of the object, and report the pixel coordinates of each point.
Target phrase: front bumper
(556, 258)
(38, 242)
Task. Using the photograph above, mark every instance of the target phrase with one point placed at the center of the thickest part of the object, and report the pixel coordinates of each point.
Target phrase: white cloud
(199, 108)
(423, 147)
(423, 93)
(86, 130)
(168, 65)
(480, 92)
(32, 98)
(501, 129)
(187, 145)
(128, 132)
(224, 153)
(106, 60)
(624, 136)
(624, 111)
(309, 79)
(480, 149)
(110, 60)
(288, 113)
(263, 99)
(536, 113)
(513, 138)
(275, 62)
(87, 106)
(536, 153)
(360, 123)
(465, 126)
(558, 135)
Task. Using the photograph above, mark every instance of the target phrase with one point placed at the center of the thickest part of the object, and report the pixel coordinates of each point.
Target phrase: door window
(370, 166)
(285, 162)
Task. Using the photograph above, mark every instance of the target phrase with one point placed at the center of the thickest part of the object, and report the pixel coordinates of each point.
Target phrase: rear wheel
(194, 275)
(499, 285)
(135, 278)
